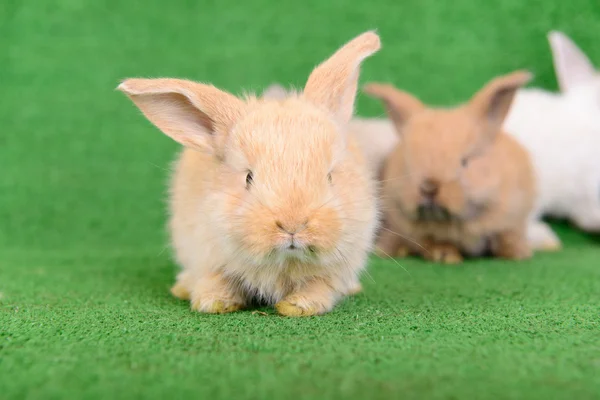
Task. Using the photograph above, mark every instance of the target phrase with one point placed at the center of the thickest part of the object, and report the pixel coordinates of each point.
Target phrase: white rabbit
(562, 133)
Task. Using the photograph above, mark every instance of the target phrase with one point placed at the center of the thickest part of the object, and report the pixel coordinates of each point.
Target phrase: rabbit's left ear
(333, 84)
(572, 66)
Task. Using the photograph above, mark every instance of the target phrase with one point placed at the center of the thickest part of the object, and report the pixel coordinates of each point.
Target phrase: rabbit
(271, 199)
(455, 185)
(562, 133)
(375, 136)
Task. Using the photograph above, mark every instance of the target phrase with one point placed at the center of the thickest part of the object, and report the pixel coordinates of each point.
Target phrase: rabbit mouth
(296, 249)
(432, 212)
(293, 248)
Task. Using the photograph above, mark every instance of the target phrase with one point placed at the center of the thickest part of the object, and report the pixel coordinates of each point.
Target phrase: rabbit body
(455, 184)
(271, 199)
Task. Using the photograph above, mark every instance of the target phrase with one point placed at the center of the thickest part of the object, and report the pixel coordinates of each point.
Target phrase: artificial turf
(85, 310)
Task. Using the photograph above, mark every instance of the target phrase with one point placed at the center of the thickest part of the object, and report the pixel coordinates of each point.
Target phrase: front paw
(180, 291)
(354, 288)
(542, 238)
(549, 246)
(403, 252)
(215, 305)
(300, 306)
(443, 253)
(512, 246)
(516, 253)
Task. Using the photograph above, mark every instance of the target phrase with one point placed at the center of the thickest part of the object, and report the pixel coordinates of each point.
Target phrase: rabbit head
(280, 177)
(438, 157)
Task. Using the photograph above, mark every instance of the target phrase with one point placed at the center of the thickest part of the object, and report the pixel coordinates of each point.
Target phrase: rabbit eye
(249, 179)
(329, 178)
(464, 162)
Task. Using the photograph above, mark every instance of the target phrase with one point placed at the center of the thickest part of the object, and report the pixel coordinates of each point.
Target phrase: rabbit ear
(399, 105)
(333, 84)
(193, 114)
(492, 103)
(275, 92)
(571, 64)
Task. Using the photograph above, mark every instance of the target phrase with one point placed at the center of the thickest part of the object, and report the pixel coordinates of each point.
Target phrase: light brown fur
(309, 186)
(375, 136)
(487, 199)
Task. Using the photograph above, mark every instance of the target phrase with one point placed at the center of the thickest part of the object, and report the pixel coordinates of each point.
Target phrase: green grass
(84, 305)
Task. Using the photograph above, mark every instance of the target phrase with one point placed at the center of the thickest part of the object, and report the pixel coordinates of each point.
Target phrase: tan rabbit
(271, 199)
(456, 184)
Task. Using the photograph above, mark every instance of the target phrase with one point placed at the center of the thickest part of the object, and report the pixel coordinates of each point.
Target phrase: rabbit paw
(443, 253)
(181, 288)
(515, 252)
(542, 238)
(291, 309)
(180, 291)
(512, 246)
(355, 288)
(301, 306)
(213, 295)
(216, 306)
(402, 252)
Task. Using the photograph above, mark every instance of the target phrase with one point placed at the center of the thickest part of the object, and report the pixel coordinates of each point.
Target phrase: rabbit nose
(291, 228)
(429, 188)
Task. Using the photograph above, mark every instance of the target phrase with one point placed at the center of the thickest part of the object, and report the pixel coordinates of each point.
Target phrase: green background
(84, 269)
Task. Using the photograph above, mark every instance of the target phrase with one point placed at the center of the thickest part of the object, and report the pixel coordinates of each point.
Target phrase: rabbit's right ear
(399, 105)
(193, 114)
(572, 66)
(333, 84)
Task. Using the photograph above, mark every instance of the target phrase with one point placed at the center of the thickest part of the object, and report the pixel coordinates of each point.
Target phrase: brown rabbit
(271, 198)
(456, 184)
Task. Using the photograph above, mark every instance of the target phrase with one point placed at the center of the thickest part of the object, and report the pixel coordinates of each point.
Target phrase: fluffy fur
(271, 198)
(562, 133)
(375, 136)
(456, 184)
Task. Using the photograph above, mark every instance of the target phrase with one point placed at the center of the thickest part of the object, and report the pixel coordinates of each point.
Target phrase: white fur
(562, 133)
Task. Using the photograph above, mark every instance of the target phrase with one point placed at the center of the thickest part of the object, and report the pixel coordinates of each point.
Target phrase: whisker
(405, 238)
(394, 260)
(395, 179)
(366, 272)
(161, 168)
(164, 248)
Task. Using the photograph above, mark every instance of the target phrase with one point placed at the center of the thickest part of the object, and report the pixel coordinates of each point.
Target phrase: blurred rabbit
(562, 133)
(455, 183)
(271, 199)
